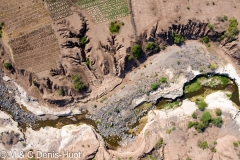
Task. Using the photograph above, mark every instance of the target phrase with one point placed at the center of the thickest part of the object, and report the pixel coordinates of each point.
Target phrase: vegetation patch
(203, 144)
(201, 104)
(136, 50)
(178, 39)
(217, 122)
(232, 31)
(151, 46)
(7, 65)
(1, 25)
(174, 104)
(159, 144)
(61, 92)
(83, 40)
(205, 39)
(77, 83)
(193, 87)
(218, 112)
(212, 66)
(114, 27)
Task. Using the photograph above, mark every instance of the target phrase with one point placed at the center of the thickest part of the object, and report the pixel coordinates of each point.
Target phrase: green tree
(77, 83)
(206, 118)
(217, 122)
(7, 65)
(178, 39)
(114, 27)
(136, 50)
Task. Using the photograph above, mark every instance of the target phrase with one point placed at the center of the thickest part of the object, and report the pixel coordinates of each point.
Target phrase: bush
(206, 118)
(218, 112)
(194, 115)
(178, 39)
(201, 104)
(152, 46)
(217, 122)
(232, 30)
(61, 92)
(200, 127)
(205, 39)
(83, 40)
(163, 80)
(77, 84)
(87, 61)
(154, 86)
(212, 66)
(136, 50)
(203, 144)
(159, 144)
(235, 144)
(211, 26)
(114, 27)
(191, 124)
(7, 65)
(130, 57)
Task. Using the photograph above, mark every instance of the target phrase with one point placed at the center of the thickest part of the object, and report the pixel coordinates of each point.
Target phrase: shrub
(188, 7)
(191, 124)
(163, 47)
(163, 80)
(235, 144)
(206, 118)
(130, 57)
(213, 150)
(83, 40)
(77, 83)
(61, 92)
(200, 127)
(211, 26)
(178, 39)
(203, 144)
(212, 66)
(152, 46)
(205, 39)
(159, 144)
(136, 50)
(154, 86)
(194, 115)
(114, 27)
(218, 112)
(232, 31)
(201, 104)
(87, 61)
(188, 158)
(7, 65)
(217, 122)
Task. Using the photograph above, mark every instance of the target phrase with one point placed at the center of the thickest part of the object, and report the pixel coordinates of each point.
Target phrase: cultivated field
(36, 51)
(105, 10)
(24, 16)
(59, 9)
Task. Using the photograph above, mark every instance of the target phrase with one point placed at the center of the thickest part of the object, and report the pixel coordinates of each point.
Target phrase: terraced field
(105, 10)
(22, 17)
(36, 51)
